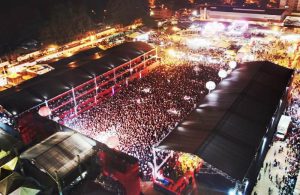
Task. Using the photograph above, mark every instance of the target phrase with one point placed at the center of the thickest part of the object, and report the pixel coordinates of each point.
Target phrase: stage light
(171, 52)
(44, 111)
(195, 13)
(210, 85)
(232, 64)
(175, 28)
(222, 74)
(197, 43)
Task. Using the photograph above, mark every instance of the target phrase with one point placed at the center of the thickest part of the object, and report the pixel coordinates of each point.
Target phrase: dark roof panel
(69, 72)
(227, 127)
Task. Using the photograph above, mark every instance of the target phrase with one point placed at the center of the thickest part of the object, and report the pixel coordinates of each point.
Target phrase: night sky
(20, 20)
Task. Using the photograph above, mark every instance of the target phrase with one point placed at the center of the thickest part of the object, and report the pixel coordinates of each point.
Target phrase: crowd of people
(281, 166)
(278, 51)
(110, 185)
(145, 111)
(62, 105)
(179, 164)
(293, 139)
(6, 117)
(148, 109)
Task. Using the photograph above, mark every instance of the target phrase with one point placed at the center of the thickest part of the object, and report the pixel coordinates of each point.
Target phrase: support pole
(144, 57)
(154, 162)
(46, 103)
(74, 100)
(164, 161)
(96, 90)
(130, 67)
(58, 184)
(115, 76)
(79, 167)
(157, 167)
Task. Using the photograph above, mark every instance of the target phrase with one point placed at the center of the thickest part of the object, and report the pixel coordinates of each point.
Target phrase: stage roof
(227, 127)
(68, 72)
(59, 153)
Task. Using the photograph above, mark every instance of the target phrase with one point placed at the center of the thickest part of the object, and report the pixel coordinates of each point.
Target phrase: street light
(210, 85)
(222, 74)
(159, 24)
(232, 64)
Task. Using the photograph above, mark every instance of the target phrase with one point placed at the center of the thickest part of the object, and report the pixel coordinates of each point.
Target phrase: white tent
(25, 191)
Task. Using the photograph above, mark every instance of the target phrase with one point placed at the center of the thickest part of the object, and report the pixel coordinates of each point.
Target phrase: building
(152, 3)
(9, 151)
(238, 13)
(233, 125)
(76, 84)
(161, 13)
(292, 5)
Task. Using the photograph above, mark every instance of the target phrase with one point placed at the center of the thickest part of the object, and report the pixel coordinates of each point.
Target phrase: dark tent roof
(58, 152)
(81, 56)
(68, 72)
(227, 127)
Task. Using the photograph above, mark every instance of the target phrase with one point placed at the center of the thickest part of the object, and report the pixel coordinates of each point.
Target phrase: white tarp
(25, 191)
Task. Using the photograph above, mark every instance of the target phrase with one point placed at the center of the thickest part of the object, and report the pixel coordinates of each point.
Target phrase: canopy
(25, 191)
(59, 153)
(69, 72)
(9, 181)
(227, 127)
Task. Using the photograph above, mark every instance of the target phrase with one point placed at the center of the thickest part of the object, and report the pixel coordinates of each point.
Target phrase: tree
(126, 11)
(174, 4)
(67, 20)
